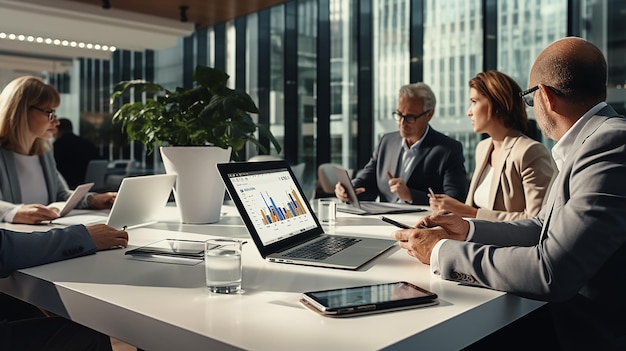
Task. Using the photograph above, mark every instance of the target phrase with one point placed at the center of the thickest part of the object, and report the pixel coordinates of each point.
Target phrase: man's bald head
(575, 67)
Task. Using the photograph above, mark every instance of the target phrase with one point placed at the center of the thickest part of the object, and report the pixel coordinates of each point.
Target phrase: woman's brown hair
(503, 95)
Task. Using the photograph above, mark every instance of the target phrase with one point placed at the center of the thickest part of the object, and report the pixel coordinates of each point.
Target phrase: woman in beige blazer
(513, 172)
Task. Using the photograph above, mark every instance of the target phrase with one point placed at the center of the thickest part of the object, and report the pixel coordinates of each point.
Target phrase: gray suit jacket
(439, 165)
(574, 252)
(23, 250)
(10, 193)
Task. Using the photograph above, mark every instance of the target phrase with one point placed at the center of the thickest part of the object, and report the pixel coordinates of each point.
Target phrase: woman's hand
(35, 213)
(102, 201)
(443, 202)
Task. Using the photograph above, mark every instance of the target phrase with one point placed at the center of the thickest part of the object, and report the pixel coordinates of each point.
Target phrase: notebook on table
(78, 194)
(139, 202)
(368, 207)
(282, 224)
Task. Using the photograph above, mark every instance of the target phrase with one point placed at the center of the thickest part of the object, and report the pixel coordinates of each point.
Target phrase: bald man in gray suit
(573, 254)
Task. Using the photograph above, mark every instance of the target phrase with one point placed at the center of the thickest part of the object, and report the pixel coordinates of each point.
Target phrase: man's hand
(107, 238)
(454, 225)
(102, 201)
(341, 193)
(419, 243)
(35, 213)
(399, 187)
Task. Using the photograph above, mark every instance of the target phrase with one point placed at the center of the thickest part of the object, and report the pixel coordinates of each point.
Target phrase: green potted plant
(208, 114)
(183, 123)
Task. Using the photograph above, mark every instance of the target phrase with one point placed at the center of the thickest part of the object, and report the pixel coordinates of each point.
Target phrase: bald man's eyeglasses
(528, 94)
(51, 113)
(408, 118)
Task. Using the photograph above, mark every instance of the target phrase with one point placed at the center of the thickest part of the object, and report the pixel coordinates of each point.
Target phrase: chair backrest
(298, 171)
(96, 173)
(261, 158)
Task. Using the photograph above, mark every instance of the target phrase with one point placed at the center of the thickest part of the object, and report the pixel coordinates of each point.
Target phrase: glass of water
(222, 262)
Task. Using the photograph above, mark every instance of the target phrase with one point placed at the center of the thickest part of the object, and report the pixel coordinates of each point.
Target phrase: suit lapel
(11, 189)
(587, 130)
(507, 146)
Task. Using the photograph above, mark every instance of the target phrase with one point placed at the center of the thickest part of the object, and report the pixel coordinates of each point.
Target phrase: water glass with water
(222, 262)
(327, 211)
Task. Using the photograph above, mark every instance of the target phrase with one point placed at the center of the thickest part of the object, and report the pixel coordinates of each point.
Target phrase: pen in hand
(431, 192)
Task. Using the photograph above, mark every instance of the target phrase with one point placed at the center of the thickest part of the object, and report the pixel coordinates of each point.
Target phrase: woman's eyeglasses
(51, 113)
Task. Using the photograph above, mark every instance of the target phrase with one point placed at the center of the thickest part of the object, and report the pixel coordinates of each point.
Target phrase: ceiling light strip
(57, 42)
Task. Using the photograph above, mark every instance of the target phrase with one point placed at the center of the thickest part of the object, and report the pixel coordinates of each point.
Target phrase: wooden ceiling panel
(205, 13)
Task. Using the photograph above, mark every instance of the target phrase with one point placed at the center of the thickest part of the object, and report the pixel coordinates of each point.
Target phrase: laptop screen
(273, 203)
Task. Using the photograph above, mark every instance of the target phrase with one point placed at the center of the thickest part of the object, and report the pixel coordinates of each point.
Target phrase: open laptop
(139, 201)
(368, 207)
(281, 222)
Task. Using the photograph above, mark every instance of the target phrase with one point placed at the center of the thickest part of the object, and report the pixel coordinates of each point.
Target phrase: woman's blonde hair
(15, 100)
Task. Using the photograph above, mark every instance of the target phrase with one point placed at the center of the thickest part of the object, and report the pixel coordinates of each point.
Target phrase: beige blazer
(521, 178)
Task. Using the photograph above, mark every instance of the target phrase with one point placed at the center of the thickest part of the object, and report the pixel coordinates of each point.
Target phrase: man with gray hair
(408, 162)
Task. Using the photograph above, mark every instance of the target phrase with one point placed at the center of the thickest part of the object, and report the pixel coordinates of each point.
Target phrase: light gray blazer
(10, 193)
(574, 250)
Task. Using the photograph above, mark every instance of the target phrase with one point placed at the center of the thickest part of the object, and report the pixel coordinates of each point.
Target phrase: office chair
(261, 158)
(97, 173)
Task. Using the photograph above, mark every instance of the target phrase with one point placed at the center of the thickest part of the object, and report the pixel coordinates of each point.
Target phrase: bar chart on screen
(290, 208)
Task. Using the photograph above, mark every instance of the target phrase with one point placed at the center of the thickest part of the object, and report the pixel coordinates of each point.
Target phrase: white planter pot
(199, 190)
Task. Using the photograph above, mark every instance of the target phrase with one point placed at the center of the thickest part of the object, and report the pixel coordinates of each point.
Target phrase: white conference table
(158, 306)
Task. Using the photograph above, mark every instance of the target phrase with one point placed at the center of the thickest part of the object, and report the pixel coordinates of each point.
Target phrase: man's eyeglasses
(408, 118)
(51, 113)
(528, 94)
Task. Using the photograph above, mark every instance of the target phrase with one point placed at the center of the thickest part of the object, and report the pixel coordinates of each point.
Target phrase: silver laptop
(282, 224)
(368, 207)
(139, 202)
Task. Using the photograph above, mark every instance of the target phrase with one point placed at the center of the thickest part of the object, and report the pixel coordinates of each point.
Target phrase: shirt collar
(406, 148)
(561, 148)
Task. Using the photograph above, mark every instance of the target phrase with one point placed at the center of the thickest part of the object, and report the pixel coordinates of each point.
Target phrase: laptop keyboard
(323, 248)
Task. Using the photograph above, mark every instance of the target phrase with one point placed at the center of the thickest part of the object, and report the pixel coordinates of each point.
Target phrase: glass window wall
(454, 51)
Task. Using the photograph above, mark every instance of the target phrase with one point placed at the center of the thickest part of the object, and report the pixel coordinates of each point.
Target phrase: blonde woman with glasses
(28, 175)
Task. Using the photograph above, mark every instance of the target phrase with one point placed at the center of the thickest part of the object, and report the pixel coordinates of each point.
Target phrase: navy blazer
(22, 250)
(439, 165)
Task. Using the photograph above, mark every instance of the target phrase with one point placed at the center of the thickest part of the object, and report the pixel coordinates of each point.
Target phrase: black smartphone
(368, 299)
(396, 223)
